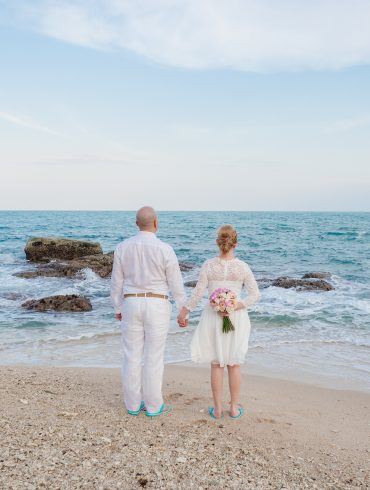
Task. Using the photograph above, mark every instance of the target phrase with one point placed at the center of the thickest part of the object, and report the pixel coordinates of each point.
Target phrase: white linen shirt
(145, 264)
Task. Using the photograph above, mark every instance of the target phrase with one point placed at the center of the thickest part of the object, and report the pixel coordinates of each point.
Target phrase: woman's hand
(239, 306)
(182, 317)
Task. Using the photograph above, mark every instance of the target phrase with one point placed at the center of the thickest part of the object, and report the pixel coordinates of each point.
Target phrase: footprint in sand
(175, 396)
(190, 401)
(266, 421)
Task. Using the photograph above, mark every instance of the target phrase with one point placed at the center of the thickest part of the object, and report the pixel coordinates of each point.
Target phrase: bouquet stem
(227, 326)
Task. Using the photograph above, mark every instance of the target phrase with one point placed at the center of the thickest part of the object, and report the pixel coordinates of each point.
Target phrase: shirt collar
(148, 234)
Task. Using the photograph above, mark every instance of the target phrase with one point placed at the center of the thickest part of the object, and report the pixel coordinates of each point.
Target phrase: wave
(8, 258)
(310, 342)
(91, 337)
(32, 324)
(67, 340)
(341, 233)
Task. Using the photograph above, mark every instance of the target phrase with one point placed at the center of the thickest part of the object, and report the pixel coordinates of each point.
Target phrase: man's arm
(174, 279)
(117, 283)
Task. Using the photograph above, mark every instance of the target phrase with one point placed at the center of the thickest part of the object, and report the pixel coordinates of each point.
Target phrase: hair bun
(227, 238)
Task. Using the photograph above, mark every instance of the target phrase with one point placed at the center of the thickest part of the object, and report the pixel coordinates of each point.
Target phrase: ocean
(321, 337)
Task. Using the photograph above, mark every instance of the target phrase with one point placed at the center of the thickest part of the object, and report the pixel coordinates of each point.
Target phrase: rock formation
(69, 302)
(43, 249)
(302, 284)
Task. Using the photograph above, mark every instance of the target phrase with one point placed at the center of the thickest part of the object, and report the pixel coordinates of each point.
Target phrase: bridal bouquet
(224, 300)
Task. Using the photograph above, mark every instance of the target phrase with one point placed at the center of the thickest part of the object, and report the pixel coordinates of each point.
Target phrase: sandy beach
(67, 428)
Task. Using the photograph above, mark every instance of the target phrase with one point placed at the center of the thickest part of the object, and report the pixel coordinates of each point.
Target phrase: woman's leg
(217, 380)
(234, 386)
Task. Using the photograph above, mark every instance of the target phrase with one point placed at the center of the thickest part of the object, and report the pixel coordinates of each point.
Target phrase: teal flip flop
(136, 412)
(240, 414)
(211, 412)
(163, 410)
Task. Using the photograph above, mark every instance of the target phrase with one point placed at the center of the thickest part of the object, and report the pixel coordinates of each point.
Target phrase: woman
(210, 343)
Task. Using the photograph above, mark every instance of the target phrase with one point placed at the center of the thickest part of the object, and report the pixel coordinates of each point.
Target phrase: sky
(185, 105)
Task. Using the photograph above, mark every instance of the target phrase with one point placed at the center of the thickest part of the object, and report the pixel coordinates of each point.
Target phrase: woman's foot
(235, 410)
(215, 414)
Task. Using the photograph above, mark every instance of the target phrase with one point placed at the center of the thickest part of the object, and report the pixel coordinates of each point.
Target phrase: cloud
(347, 124)
(250, 35)
(26, 122)
(90, 159)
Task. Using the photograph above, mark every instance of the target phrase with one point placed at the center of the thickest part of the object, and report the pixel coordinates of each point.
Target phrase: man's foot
(163, 410)
(136, 412)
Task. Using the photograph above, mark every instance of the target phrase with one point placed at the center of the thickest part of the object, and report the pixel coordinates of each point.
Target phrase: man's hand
(182, 318)
(119, 316)
(182, 321)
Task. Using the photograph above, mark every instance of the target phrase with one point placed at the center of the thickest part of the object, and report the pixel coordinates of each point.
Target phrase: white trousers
(144, 326)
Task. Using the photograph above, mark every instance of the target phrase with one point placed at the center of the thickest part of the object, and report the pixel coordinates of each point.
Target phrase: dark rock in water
(43, 249)
(190, 284)
(264, 282)
(54, 269)
(317, 275)
(302, 284)
(185, 266)
(69, 302)
(101, 264)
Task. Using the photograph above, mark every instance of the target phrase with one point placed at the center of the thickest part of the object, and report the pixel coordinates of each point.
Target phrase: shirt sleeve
(174, 279)
(199, 289)
(251, 286)
(117, 281)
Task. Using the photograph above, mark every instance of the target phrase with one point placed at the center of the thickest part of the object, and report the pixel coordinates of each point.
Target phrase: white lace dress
(209, 343)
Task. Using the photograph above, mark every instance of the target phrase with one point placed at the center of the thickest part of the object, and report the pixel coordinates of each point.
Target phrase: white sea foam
(7, 258)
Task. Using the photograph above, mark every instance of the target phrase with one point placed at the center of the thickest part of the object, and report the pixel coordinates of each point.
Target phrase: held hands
(182, 317)
(118, 316)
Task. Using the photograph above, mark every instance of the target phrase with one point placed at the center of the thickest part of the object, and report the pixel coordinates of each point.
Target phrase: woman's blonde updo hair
(227, 238)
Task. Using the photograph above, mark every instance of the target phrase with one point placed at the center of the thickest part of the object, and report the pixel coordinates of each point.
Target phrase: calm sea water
(305, 335)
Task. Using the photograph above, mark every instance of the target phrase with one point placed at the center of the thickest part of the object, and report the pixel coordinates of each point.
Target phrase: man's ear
(156, 224)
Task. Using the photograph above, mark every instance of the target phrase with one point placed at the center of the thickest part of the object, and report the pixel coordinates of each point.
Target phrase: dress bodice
(233, 274)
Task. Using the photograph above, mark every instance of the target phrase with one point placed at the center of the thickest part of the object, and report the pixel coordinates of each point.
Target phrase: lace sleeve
(251, 286)
(199, 290)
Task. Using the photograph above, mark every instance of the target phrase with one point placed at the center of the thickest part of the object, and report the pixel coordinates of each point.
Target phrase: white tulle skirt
(210, 344)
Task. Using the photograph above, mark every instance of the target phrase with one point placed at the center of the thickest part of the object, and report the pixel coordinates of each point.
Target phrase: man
(144, 270)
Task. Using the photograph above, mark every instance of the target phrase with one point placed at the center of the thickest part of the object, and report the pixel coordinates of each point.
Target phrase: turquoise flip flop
(162, 411)
(136, 412)
(240, 414)
(211, 412)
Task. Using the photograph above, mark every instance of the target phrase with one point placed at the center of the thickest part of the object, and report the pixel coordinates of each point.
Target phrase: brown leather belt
(145, 295)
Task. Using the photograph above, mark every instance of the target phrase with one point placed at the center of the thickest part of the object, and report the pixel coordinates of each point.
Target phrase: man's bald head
(147, 219)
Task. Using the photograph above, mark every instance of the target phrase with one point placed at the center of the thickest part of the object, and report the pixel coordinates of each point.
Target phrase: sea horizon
(182, 211)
